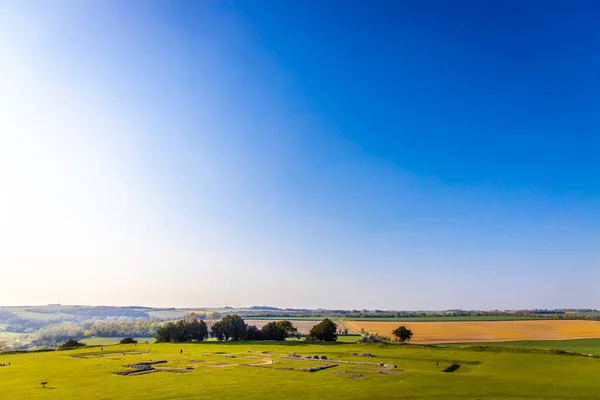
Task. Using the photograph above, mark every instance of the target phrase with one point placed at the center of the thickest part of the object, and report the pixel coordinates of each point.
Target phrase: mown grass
(482, 374)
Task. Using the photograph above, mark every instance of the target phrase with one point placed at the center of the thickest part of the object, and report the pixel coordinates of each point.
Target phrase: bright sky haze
(335, 154)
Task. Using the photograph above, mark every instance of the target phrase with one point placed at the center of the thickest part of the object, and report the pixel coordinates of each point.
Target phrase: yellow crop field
(485, 331)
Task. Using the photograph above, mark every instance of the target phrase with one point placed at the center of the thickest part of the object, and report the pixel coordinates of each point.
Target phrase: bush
(71, 343)
(128, 340)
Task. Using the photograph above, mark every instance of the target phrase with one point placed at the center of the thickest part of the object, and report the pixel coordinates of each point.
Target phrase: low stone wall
(364, 354)
(345, 362)
(147, 367)
(319, 368)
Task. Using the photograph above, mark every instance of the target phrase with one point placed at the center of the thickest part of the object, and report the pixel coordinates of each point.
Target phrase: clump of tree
(279, 330)
(231, 327)
(71, 343)
(325, 331)
(402, 334)
(189, 329)
(128, 340)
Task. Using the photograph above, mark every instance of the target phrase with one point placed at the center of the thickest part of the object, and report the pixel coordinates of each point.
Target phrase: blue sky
(393, 155)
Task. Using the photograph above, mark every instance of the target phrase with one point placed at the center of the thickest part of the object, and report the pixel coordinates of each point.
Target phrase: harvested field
(303, 326)
(479, 331)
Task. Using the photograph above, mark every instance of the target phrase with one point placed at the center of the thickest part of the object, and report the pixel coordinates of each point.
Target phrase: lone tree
(402, 334)
(325, 331)
(128, 340)
(71, 343)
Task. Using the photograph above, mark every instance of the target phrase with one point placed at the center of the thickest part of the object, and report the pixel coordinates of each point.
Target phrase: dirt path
(350, 329)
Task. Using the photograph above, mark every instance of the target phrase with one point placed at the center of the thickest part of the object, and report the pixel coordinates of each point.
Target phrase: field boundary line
(350, 329)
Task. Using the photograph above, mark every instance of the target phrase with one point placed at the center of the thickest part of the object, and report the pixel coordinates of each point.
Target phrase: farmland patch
(478, 331)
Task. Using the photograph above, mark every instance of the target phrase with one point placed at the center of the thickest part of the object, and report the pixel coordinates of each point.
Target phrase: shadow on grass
(452, 368)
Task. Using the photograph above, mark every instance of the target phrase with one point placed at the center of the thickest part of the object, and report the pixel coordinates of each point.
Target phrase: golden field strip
(485, 331)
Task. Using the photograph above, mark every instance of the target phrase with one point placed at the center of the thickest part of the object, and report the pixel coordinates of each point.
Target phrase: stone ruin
(363, 354)
(147, 367)
(140, 368)
(369, 339)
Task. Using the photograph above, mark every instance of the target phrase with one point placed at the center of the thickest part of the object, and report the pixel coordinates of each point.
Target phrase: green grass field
(588, 346)
(110, 341)
(15, 338)
(222, 371)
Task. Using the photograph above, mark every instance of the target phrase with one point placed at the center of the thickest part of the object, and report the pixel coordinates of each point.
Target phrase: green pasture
(15, 338)
(6, 335)
(348, 338)
(588, 346)
(256, 370)
(39, 316)
(104, 341)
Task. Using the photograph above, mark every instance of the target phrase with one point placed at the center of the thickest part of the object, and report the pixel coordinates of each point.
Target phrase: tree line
(234, 328)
